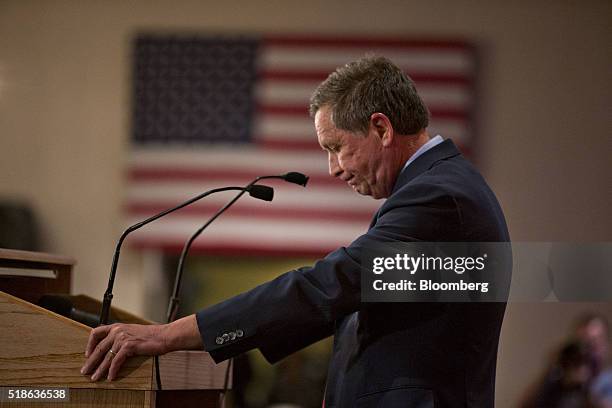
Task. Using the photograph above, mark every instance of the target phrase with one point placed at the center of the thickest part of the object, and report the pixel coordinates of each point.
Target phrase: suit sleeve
(302, 306)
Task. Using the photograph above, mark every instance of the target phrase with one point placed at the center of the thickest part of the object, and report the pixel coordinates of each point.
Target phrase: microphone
(291, 177)
(261, 192)
(295, 178)
(108, 295)
(62, 305)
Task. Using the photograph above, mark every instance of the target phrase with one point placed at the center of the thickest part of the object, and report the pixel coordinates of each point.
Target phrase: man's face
(354, 158)
(596, 336)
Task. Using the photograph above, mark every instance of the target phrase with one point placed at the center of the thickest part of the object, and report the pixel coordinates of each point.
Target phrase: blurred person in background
(579, 375)
(594, 330)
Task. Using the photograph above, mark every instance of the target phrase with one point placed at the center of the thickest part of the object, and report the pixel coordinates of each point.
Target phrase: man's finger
(95, 336)
(117, 362)
(103, 367)
(97, 354)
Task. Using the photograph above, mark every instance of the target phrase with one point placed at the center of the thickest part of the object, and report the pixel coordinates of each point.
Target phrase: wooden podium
(39, 348)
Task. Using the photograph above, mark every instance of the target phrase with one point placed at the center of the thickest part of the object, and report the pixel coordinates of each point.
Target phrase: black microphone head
(59, 304)
(261, 192)
(296, 178)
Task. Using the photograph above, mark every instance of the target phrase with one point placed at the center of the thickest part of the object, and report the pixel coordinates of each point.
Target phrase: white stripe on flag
(271, 127)
(330, 57)
(249, 230)
(297, 93)
(238, 157)
(322, 197)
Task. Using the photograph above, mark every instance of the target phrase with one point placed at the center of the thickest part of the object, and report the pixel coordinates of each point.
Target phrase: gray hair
(371, 84)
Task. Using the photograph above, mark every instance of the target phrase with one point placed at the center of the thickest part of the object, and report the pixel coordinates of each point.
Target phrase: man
(594, 330)
(373, 126)
(578, 375)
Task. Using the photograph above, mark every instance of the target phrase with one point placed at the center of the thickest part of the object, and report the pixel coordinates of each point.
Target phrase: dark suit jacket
(384, 354)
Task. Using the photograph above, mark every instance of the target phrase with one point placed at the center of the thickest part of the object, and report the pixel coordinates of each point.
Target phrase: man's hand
(109, 346)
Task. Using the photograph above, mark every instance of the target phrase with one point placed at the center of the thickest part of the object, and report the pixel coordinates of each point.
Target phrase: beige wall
(545, 137)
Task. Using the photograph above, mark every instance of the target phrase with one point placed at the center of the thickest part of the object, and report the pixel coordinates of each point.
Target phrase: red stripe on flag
(419, 77)
(363, 42)
(301, 145)
(292, 213)
(233, 249)
(199, 174)
(285, 110)
(301, 110)
(307, 142)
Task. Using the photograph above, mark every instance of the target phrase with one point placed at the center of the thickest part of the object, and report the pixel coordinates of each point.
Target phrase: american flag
(212, 111)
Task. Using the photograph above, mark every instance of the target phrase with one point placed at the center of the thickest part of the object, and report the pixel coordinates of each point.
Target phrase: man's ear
(381, 126)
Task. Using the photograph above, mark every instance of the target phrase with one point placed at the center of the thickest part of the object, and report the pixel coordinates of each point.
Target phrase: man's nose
(334, 167)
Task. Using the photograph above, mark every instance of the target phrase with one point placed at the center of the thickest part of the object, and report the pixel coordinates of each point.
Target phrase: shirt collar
(433, 142)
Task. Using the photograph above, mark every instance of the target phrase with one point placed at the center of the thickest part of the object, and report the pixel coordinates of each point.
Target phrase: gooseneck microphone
(255, 191)
(62, 304)
(291, 177)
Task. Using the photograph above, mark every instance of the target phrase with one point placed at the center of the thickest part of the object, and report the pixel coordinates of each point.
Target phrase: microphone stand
(292, 177)
(108, 295)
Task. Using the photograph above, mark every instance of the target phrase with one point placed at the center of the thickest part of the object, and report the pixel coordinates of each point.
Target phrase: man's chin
(365, 191)
(360, 189)
(377, 195)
